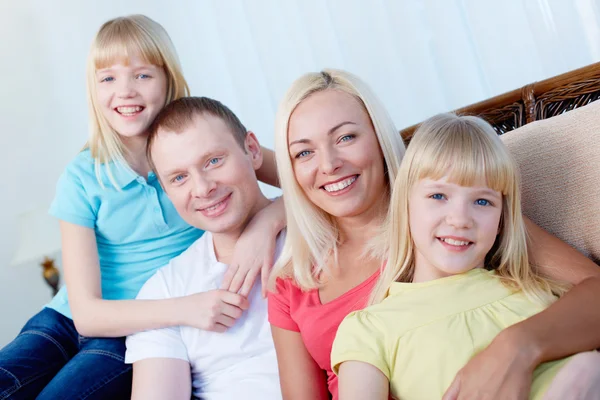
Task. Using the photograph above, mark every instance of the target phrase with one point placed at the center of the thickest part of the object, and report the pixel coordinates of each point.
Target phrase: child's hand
(255, 251)
(215, 310)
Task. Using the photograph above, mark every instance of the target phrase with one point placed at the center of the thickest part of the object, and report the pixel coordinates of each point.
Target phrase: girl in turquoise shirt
(118, 227)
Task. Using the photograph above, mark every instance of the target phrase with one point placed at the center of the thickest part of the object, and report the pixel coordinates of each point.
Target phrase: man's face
(207, 175)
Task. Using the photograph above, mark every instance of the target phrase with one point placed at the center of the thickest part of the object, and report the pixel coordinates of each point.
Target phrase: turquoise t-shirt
(137, 229)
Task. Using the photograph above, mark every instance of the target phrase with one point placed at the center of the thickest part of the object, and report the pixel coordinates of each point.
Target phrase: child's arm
(570, 325)
(358, 380)
(93, 316)
(267, 173)
(161, 378)
(255, 250)
(300, 376)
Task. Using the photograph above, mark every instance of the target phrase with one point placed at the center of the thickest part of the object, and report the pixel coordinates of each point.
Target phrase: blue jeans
(50, 360)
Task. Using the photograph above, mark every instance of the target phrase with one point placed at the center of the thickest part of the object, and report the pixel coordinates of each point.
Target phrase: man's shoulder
(184, 274)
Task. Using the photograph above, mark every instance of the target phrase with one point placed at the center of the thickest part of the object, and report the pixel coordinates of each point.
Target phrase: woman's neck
(358, 230)
(135, 154)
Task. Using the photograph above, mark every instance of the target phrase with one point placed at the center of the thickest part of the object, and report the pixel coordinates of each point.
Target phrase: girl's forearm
(116, 318)
(267, 173)
(570, 325)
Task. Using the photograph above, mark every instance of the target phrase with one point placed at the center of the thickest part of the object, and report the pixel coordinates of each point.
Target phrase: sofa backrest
(559, 160)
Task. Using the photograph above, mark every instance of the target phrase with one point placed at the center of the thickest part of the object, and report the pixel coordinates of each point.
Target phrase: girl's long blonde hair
(311, 233)
(463, 149)
(116, 41)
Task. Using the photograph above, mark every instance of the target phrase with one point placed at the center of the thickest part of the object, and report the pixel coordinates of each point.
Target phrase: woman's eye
(302, 154)
(437, 196)
(482, 202)
(346, 138)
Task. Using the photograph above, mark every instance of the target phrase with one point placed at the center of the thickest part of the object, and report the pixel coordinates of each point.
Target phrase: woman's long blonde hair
(117, 40)
(463, 149)
(312, 235)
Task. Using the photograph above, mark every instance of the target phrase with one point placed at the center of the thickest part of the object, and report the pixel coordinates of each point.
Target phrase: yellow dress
(422, 334)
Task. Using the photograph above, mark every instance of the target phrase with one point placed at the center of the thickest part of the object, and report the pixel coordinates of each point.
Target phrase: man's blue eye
(437, 196)
(482, 202)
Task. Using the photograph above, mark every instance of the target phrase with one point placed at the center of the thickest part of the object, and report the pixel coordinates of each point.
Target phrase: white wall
(420, 56)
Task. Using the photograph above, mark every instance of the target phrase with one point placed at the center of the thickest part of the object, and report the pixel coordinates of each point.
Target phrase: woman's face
(335, 154)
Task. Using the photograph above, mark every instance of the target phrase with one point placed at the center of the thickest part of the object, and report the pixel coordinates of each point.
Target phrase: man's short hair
(180, 114)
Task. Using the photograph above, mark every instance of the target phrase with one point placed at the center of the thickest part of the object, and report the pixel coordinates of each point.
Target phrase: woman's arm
(358, 380)
(95, 317)
(300, 376)
(570, 325)
(255, 250)
(267, 173)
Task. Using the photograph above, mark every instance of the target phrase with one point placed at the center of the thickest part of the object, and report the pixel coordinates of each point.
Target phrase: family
(382, 272)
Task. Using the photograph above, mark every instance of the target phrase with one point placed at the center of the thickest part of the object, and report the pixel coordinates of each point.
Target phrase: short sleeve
(360, 337)
(279, 306)
(156, 343)
(71, 202)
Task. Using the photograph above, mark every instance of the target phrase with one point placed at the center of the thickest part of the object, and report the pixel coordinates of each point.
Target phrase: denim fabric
(50, 360)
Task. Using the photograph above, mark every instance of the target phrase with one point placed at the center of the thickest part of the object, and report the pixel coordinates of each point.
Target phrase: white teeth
(211, 208)
(334, 187)
(454, 242)
(129, 110)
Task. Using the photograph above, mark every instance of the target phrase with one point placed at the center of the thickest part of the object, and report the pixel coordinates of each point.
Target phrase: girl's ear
(254, 150)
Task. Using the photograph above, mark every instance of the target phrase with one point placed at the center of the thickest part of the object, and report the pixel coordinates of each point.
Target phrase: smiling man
(206, 162)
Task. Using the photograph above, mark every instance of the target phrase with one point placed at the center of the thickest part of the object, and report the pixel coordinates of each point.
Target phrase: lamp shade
(38, 236)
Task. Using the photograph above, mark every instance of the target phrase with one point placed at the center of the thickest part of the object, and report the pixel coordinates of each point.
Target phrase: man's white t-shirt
(239, 363)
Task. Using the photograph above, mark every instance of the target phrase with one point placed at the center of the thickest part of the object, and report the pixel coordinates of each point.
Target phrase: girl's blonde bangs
(120, 41)
(464, 158)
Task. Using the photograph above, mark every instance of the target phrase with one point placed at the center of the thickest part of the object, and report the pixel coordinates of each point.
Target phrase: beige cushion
(559, 159)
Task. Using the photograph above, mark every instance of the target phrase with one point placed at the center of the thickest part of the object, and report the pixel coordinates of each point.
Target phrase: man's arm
(161, 369)
(161, 378)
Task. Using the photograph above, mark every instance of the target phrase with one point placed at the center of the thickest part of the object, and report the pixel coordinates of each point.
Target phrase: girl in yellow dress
(457, 273)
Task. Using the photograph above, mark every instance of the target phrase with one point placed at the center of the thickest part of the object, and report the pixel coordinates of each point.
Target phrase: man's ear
(254, 150)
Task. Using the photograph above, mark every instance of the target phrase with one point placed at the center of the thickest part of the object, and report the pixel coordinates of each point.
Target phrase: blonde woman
(118, 227)
(337, 152)
(457, 273)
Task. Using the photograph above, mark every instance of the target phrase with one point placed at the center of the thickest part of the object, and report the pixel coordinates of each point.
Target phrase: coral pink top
(292, 309)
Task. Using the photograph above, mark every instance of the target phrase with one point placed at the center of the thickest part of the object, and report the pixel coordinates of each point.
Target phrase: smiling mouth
(453, 242)
(341, 185)
(215, 209)
(129, 111)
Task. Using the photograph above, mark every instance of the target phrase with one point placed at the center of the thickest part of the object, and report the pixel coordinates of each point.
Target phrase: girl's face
(335, 154)
(453, 227)
(130, 96)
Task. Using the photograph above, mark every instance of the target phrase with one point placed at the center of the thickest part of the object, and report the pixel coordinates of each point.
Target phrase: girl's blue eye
(178, 178)
(143, 76)
(302, 154)
(108, 79)
(214, 161)
(482, 202)
(437, 196)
